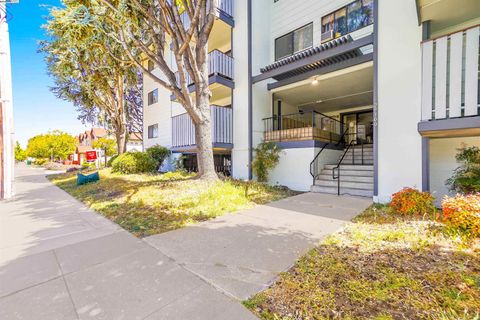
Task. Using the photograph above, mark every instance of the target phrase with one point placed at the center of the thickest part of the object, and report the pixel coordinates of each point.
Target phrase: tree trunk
(121, 138)
(203, 137)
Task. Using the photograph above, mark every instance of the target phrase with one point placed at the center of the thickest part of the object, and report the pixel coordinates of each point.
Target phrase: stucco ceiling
(447, 13)
(345, 90)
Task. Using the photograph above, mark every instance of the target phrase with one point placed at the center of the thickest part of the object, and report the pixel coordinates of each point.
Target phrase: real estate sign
(91, 155)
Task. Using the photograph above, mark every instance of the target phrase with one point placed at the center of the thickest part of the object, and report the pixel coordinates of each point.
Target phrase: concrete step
(357, 162)
(345, 184)
(343, 191)
(350, 167)
(362, 173)
(344, 177)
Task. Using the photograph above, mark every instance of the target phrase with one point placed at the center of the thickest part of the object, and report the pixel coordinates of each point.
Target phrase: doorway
(360, 126)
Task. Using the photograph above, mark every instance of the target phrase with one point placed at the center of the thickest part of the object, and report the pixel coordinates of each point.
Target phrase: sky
(36, 109)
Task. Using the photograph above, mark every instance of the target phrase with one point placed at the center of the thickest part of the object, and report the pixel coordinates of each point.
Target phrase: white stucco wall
(399, 97)
(293, 170)
(6, 99)
(443, 162)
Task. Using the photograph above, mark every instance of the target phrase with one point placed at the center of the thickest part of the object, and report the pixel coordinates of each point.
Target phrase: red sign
(91, 155)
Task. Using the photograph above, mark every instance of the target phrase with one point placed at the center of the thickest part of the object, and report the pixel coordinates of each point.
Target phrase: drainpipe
(375, 99)
(250, 88)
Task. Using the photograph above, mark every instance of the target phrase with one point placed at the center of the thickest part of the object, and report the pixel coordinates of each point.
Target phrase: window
(153, 97)
(153, 131)
(350, 18)
(294, 41)
(150, 65)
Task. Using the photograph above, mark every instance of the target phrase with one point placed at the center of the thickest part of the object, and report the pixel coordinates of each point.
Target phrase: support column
(425, 164)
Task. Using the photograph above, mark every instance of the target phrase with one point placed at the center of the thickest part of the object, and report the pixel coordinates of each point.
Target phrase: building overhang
(212, 79)
(445, 14)
(313, 60)
(450, 128)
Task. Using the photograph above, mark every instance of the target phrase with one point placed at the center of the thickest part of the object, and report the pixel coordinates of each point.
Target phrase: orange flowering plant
(462, 212)
(410, 201)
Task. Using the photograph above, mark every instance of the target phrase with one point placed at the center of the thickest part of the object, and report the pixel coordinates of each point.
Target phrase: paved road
(59, 260)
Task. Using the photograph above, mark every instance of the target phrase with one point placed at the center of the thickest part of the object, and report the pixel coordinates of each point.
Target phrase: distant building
(6, 110)
(86, 139)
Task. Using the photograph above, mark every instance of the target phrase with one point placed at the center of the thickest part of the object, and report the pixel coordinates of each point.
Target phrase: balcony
(450, 85)
(302, 127)
(219, 65)
(183, 130)
(451, 76)
(224, 12)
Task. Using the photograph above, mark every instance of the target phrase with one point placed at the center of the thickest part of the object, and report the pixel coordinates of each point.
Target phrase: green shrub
(462, 213)
(410, 201)
(158, 153)
(134, 162)
(40, 162)
(88, 166)
(267, 156)
(466, 178)
(110, 161)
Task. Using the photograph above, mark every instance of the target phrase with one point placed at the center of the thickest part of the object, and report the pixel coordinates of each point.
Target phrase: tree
(20, 154)
(148, 30)
(95, 81)
(54, 145)
(107, 145)
(466, 178)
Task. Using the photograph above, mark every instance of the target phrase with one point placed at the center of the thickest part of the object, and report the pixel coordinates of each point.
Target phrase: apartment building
(6, 113)
(364, 97)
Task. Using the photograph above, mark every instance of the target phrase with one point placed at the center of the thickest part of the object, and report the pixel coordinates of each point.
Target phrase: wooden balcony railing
(183, 130)
(450, 75)
(302, 126)
(218, 64)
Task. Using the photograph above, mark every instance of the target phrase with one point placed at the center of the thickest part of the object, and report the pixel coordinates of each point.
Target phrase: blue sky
(36, 110)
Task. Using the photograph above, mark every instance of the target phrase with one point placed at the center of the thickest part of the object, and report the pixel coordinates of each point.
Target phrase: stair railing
(314, 166)
(353, 144)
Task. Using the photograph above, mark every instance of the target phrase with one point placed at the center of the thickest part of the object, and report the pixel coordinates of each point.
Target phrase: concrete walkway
(59, 260)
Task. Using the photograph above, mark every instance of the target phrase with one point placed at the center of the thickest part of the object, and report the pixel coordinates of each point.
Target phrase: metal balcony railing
(183, 130)
(218, 64)
(310, 125)
(451, 76)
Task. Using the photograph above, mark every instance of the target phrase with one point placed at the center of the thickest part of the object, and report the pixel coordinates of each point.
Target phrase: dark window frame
(152, 98)
(150, 131)
(347, 19)
(292, 42)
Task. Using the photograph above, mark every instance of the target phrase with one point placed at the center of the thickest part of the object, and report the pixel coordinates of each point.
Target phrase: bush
(158, 153)
(40, 162)
(466, 178)
(134, 162)
(88, 166)
(267, 156)
(110, 161)
(410, 201)
(462, 213)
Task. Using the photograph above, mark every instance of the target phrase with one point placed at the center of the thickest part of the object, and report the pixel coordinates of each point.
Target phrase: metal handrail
(353, 143)
(313, 172)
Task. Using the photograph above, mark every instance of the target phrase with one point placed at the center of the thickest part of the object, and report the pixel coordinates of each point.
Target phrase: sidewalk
(59, 260)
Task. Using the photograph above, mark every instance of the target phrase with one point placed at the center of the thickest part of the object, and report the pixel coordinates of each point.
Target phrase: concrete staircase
(356, 178)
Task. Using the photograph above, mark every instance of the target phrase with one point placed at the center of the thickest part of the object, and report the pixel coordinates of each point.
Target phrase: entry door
(360, 127)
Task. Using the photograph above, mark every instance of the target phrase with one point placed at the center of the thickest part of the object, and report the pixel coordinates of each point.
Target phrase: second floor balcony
(183, 130)
(450, 84)
(220, 67)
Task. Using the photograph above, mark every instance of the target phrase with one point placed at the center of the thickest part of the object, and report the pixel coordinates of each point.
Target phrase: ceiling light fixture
(315, 81)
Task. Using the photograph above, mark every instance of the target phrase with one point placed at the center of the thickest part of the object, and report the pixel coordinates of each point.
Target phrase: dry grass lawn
(149, 204)
(380, 267)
